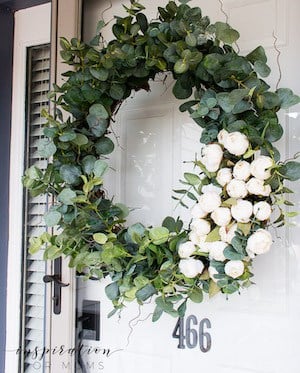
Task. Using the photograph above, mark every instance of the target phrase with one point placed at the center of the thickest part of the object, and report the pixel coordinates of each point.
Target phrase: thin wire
(277, 58)
(105, 10)
(223, 11)
(227, 20)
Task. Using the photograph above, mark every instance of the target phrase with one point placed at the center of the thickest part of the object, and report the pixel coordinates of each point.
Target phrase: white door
(256, 331)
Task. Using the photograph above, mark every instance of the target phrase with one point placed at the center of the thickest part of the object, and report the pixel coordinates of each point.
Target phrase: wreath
(238, 179)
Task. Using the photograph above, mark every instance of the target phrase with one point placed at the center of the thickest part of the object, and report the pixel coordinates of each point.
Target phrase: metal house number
(190, 333)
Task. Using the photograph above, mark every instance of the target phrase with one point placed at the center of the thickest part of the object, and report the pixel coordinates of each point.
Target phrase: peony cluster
(235, 197)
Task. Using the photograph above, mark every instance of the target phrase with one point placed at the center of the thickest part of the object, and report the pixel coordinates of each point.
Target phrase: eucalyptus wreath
(238, 179)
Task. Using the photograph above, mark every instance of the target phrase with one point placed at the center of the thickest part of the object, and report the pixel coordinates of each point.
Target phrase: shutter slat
(34, 225)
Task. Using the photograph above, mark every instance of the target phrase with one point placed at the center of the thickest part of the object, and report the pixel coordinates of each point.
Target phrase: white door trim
(32, 27)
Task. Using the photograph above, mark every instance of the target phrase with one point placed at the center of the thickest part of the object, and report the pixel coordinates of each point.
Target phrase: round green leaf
(99, 111)
(80, 139)
(100, 238)
(100, 167)
(104, 146)
(70, 173)
(52, 218)
(159, 235)
(181, 67)
(66, 196)
(46, 148)
(88, 163)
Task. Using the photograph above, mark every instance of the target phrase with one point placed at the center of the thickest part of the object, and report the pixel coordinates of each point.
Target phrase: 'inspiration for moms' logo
(85, 356)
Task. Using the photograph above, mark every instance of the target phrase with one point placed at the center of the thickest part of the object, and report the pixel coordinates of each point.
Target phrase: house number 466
(190, 333)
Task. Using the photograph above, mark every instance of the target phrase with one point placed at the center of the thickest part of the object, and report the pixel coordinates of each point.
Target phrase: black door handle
(55, 279)
(57, 285)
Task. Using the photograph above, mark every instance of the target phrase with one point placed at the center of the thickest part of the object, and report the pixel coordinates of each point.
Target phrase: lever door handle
(57, 285)
(55, 279)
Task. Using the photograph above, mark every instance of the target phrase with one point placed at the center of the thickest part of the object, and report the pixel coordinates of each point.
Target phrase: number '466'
(190, 334)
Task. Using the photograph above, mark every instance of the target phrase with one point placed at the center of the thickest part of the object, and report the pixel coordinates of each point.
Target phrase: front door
(256, 331)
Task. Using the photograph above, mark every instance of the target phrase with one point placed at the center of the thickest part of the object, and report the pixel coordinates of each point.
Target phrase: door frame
(65, 21)
(24, 37)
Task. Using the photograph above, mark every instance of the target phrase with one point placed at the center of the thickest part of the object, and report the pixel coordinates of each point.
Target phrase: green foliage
(222, 90)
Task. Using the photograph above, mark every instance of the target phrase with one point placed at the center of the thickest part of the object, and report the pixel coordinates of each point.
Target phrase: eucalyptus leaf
(100, 238)
(290, 170)
(112, 291)
(104, 146)
(145, 292)
(67, 196)
(159, 235)
(70, 173)
(100, 168)
(99, 111)
(88, 164)
(192, 179)
(52, 218)
(46, 148)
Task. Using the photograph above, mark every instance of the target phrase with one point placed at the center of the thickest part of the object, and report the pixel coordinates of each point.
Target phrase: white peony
(260, 167)
(211, 188)
(241, 170)
(197, 212)
(216, 250)
(212, 155)
(221, 216)
(196, 238)
(190, 267)
(204, 247)
(242, 211)
(200, 226)
(224, 175)
(222, 136)
(227, 234)
(259, 242)
(237, 188)
(236, 143)
(209, 201)
(186, 249)
(212, 272)
(256, 186)
(262, 210)
(234, 268)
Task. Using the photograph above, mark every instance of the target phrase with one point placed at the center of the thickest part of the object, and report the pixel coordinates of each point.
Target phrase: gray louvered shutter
(33, 336)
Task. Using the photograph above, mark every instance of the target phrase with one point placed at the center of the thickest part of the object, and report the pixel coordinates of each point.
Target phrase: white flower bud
(216, 251)
(260, 167)
(236, 143)
(197, 239)
(212, 155)
(200, 226)
(197, 212)
(227, 234)
(209, 201)
(222, 136)
(221, 216)
(190, 267)
(224, 175)
(262, 210)
(234, 268)
(237, 188)
(241, 170)
(211, 188)
(256, 186)
(259, 242)
(186, 249)
(242, 211)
